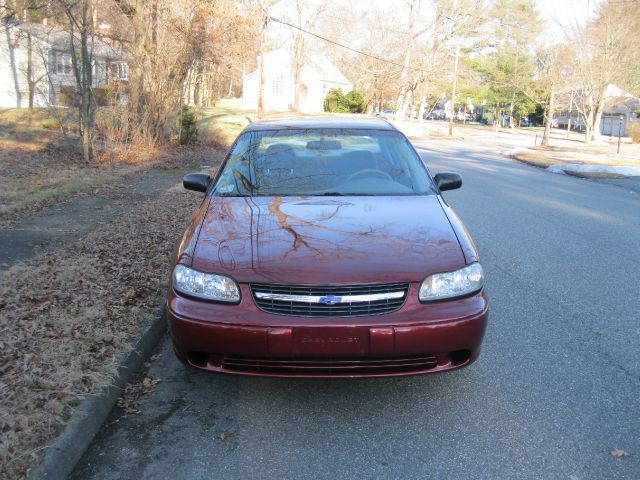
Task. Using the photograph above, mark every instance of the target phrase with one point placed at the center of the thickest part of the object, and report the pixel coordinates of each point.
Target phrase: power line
(360, 52)
(347, 47)
(355, 50)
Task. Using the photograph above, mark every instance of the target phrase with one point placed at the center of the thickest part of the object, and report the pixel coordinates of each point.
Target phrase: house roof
(320, 122)
(59, 40)
(323, 68)
(326, 70)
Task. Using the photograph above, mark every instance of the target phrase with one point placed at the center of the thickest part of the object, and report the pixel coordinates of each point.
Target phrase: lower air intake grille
(330, 366)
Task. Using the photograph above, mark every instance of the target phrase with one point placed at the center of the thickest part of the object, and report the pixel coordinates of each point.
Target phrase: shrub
(634, 131)
(336, 101)
(68, 96)
(356, 102)
(104, 95)
(188, 126)
(112, 123)
(51, 124)
(352, 102)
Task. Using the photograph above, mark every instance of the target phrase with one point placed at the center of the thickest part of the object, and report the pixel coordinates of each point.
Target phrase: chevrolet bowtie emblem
(330, 300)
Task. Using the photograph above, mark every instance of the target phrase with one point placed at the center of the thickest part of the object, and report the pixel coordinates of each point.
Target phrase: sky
(562, 15)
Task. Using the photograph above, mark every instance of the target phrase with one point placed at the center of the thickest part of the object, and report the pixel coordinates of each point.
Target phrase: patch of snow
(585, 168)
(513, 152)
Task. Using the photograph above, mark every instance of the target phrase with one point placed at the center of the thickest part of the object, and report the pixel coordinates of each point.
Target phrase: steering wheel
(368, 171)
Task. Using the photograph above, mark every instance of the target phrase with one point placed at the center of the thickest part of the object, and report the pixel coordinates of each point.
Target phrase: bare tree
(80, 25)
(264, 5)
(426, 43)
(605, 51)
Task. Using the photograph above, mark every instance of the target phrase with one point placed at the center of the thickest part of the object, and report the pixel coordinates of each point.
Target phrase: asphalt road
(556, 389)
(71, 219)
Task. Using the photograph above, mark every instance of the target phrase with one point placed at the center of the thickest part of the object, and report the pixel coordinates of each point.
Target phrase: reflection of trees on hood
(288, 223)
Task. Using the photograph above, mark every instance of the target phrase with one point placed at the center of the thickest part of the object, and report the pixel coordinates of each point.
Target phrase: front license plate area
(331, 341)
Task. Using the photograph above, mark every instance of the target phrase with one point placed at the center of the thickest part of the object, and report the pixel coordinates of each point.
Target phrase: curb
(64, 452)
(628, 183)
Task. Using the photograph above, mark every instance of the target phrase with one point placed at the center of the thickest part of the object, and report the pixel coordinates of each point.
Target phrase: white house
(318, 76)
(618, 114)
(52, 67)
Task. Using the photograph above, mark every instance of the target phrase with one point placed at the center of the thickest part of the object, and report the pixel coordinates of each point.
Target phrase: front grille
(329, 366)
(307, 300)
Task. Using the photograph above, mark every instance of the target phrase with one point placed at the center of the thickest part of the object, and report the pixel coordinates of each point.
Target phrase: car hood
(318, 240)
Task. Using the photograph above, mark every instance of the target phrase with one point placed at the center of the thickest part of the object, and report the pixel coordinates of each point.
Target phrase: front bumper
(241, 339)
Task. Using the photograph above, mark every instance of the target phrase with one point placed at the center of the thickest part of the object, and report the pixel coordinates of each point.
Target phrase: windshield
(334, 161)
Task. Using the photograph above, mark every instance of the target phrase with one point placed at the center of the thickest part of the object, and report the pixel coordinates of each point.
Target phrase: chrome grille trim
(343, 299)
(330, 300)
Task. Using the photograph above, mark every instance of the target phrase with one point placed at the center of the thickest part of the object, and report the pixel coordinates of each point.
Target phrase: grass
(22, 194)
(38, 166)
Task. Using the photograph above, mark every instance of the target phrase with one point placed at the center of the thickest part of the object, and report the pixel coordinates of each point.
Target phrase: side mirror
(198, 182)
(448, 181)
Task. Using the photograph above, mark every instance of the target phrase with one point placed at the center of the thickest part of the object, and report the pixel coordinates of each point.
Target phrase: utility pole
(453, 90)
(570, 109)
(620, 131)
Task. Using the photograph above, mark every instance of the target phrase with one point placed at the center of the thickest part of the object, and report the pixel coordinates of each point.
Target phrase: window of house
(278, 85)
(119, 71)
(59, 64)
(62, 64)
(123, 71)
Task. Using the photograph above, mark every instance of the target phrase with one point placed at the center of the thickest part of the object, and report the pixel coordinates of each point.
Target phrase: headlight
(205, 285)
(439, 286)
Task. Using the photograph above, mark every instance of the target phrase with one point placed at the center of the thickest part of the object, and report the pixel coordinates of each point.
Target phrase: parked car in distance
(390, 114)
(437, 114)
(324, 248)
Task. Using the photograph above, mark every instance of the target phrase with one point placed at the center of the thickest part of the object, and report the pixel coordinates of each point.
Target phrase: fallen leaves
(68, 316)
(617, 453)
(134, 393)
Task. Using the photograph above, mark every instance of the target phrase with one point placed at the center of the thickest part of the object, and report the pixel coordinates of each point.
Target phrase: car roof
(367, 123)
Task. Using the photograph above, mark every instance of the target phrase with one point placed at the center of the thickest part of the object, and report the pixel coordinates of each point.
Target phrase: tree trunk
(82, 69)
(569, 115)
(511, 109)
(229, 95)
(588, 119)
(30, 82)
(297, 72)
(595, 133)
(549, 117)
(136, 80)
(401, 104)
(197, 86)
(263, 32)
(423, 106)
(453, 89)
(87, 83)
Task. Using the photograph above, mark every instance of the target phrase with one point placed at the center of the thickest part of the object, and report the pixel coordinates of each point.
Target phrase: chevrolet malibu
(324, 248)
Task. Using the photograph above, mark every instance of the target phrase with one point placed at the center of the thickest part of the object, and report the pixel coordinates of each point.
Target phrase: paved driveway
(556, 389)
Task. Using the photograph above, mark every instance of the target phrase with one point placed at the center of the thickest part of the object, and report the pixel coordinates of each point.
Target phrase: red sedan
(324, 248)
